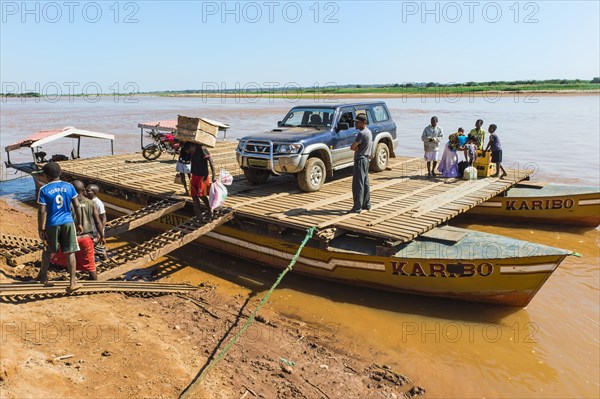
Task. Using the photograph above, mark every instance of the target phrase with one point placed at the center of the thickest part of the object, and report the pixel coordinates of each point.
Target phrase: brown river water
(453, 349)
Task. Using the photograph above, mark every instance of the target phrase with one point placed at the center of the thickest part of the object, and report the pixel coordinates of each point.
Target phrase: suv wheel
(381, 158)
(312, 176)
(256, 176)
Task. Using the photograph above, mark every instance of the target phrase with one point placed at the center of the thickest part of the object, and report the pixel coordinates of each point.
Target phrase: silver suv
(312, 142)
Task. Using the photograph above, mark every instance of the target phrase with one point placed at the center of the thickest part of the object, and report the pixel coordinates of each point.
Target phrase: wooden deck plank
(404, 202)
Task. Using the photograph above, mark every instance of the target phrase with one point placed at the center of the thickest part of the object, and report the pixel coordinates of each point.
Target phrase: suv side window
(347, 117)
(380, 114)
(295, 118)
(365, 110)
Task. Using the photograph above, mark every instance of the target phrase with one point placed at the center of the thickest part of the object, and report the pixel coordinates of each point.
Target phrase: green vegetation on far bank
(553, 85)
(431, 88)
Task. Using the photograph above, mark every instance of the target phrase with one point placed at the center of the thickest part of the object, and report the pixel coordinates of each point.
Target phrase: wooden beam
(445, 198)
(338, 198)
(91, 287)
(141, 217)
(163, 244)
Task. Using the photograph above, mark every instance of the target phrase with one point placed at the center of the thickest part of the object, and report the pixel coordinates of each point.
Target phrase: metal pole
(79, 147)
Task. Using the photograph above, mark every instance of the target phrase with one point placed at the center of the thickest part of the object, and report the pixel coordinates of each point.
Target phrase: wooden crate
(190, 124)
(199, 137)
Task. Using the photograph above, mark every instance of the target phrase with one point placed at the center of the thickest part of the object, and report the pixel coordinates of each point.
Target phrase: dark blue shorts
(497, 156)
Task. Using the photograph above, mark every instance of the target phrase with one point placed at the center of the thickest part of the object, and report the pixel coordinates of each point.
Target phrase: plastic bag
(225, 177)
(217, 194)
(470, 173)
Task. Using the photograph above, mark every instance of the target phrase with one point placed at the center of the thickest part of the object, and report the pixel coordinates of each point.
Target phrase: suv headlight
(289, 148)
(241, 145)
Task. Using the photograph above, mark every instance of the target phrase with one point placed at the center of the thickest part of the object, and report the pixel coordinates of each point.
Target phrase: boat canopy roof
(46, 136)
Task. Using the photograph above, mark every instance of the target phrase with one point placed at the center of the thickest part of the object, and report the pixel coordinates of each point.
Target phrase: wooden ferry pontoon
(544, 203)
(398, 245)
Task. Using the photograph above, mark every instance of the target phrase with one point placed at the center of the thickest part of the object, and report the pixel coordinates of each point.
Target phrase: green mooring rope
(187, 392)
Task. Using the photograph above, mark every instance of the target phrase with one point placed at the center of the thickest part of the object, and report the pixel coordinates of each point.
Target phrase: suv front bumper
(277, 164)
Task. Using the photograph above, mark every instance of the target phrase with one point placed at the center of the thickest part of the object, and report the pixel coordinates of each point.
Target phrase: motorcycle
(161, 143)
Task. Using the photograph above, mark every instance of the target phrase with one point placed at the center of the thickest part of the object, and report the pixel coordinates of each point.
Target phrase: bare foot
(44, 281)
(74, 287)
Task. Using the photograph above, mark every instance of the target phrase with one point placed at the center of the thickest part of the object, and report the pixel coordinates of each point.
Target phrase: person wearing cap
(362, 146)
(431, 137)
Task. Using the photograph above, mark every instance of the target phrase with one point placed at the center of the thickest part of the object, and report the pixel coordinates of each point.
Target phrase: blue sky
(189, 45)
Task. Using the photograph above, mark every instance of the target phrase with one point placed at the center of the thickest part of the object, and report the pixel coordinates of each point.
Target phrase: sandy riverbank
(129, 347)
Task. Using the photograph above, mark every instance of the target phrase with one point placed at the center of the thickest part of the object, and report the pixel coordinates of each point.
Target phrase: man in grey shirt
(431, 137)
(362, 147)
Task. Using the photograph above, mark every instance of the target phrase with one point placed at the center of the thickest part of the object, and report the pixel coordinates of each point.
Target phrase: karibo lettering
(532, 205)
(415, 269)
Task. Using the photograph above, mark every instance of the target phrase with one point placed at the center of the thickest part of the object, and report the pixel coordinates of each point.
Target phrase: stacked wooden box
(198, 130)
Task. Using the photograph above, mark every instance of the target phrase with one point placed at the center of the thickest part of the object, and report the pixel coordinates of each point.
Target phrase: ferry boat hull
(551, 204)
(480, 267)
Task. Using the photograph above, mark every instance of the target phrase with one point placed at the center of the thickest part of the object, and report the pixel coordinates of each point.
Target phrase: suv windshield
(308, 117)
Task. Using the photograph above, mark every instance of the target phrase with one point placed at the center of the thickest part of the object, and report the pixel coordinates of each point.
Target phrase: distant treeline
(28, 94)
(417, 87)
(414, 87)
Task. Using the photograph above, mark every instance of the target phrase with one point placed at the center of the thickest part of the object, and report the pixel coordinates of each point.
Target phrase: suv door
(343, 139)
(371, 124)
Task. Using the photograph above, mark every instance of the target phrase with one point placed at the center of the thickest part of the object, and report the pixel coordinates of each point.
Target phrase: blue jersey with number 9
(57, 196)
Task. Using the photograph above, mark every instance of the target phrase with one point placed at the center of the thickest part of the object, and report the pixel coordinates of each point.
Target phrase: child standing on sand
(55, 222)
(496, 147)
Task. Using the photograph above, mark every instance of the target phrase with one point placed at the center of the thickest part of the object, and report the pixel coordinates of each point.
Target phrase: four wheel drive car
(312, 142)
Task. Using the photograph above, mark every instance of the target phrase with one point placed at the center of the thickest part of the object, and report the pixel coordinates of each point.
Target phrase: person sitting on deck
(56, 224)
(200, 184)
(90, 222)
(91, 192)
